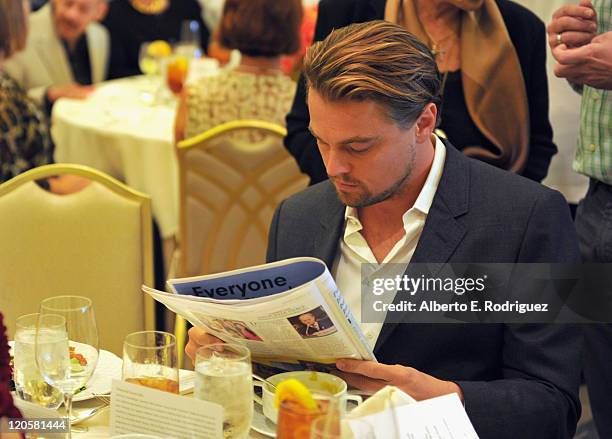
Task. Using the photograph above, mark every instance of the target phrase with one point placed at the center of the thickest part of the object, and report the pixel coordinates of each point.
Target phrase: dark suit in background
(519, 381)
(528, 36)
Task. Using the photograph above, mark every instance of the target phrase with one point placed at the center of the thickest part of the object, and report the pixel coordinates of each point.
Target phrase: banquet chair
(96, 242)
(231, 178)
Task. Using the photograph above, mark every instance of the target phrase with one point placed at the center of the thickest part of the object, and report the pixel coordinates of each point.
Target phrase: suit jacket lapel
(442, 232)
(51, 51)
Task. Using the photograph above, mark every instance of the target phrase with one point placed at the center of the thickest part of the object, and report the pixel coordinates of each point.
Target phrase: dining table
(98, 426)
(125, 128)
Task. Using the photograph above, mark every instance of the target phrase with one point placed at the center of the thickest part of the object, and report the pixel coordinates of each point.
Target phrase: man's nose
(72, 13)
(336, 163)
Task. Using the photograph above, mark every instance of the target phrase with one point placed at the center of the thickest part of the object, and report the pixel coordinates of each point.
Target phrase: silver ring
(559, 39)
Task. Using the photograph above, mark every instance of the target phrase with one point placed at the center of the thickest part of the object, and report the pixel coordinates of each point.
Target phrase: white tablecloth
(115, 131)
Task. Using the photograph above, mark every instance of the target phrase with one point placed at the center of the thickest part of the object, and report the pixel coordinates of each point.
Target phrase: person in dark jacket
(133, 22)
(495, 91)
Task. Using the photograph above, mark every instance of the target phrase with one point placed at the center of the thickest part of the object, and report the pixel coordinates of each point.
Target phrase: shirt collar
(424, 200)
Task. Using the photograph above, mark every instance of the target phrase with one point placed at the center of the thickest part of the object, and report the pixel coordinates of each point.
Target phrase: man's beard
(366, 198)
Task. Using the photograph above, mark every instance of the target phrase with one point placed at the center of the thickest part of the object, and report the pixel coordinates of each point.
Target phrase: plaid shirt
(594, 151)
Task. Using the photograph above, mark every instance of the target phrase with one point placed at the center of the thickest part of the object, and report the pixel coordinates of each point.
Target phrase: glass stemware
(176, 73)
(67, 357)
(151, 60)
(149, 359)
(29, 384)
(189, 45)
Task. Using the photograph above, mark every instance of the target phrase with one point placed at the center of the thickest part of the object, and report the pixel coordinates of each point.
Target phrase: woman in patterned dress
(263, 31)
(25, 142)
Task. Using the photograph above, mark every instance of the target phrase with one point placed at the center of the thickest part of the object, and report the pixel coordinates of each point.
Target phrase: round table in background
(118, 131)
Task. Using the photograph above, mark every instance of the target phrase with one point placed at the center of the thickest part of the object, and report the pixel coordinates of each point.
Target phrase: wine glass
(149, 359)
(189, 44)
(147, 61)
(223, 376)
(29, 384)
(67, 357)
(151, 59)
(176, 73)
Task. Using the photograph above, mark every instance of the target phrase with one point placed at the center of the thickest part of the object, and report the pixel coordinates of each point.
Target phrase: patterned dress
(24, 136)
(237, 95)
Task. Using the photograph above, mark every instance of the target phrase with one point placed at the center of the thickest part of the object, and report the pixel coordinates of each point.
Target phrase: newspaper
(289, 311)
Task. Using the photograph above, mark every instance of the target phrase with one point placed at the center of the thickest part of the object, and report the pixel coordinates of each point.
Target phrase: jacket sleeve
(538, 394)
(271, 253)
(541, 146)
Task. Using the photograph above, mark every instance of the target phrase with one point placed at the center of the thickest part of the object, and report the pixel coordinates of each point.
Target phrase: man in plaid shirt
(580, 37)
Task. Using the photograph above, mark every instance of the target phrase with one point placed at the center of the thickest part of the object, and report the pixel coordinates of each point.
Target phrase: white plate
(101, 382)
(261, 424)
(108, 368)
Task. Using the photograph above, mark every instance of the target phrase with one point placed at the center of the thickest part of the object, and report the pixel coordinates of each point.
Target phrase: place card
(139, 409)
(442, 418)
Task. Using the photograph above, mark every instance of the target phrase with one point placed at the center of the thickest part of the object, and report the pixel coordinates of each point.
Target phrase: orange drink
(150, 360)
(159, 383)
(176, 73)
(295, 420)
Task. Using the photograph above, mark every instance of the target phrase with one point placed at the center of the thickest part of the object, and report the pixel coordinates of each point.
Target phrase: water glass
(150, 360)
(223, 375)
(29, 384)
(67, 358)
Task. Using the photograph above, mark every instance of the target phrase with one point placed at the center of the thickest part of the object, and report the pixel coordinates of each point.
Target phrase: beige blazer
(44, 61)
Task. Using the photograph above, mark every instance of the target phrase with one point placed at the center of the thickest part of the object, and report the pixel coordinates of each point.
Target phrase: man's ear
(426, 123)
(102, 10)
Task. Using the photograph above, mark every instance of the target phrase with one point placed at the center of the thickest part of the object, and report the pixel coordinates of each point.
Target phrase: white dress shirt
(354, 250)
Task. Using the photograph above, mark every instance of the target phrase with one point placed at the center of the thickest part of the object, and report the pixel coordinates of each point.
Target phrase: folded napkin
(385, 398)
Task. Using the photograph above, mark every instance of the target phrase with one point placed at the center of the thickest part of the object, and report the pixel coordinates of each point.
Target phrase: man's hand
(199, 337)
(590, 64)
(572, 25)
(370, 376)
(71, 91)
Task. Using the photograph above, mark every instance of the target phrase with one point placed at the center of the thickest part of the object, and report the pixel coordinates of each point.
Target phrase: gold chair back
(96, 243)
(232, 177)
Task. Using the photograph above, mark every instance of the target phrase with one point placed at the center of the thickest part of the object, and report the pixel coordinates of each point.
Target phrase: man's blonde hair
(377, 61)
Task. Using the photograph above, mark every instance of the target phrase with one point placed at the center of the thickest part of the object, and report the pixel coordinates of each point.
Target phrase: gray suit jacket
(44, 61)
(519, 381)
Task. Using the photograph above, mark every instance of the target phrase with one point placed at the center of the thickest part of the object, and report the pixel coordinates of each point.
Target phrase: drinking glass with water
(223, 376)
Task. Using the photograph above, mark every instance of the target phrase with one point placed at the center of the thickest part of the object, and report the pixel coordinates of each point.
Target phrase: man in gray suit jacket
(66, 51)
(398, 194)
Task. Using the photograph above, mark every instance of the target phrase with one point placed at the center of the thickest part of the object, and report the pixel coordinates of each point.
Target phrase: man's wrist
(455, 388)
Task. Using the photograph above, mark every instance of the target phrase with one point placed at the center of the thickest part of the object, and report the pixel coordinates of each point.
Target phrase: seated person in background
(492, 55)
(133, 22)
(65, 53)
(262, 30)
(24, 137)
(397, 193)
